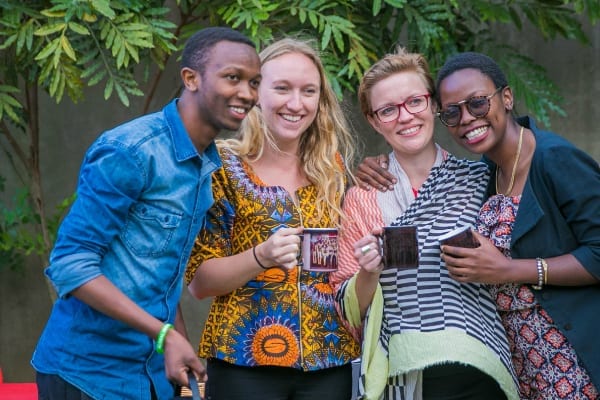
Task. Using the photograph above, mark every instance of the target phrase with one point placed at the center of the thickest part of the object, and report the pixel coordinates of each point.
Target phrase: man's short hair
(198, 47)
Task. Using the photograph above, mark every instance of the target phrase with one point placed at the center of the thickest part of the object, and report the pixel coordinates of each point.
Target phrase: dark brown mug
(460, 237)
(400, 247)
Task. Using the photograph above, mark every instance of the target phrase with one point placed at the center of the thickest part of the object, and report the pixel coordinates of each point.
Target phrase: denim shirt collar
(184, 148)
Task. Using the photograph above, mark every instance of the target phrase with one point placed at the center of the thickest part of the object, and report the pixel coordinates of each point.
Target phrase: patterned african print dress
(283, 318)
(545, 363)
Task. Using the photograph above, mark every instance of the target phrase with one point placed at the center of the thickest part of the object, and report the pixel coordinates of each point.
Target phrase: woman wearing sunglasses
(539, 232)
(425, 335)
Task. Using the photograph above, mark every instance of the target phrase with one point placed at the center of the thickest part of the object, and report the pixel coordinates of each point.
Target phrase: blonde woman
(273, 331)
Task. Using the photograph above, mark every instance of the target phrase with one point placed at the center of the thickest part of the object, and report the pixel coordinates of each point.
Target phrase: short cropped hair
(471, 60)
(399, 61)
(198, 47)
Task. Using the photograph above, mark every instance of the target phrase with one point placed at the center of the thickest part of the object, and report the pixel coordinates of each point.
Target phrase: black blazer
(559, 213)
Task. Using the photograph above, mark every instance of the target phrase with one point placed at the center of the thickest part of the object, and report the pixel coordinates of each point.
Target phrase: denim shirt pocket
(149, 229)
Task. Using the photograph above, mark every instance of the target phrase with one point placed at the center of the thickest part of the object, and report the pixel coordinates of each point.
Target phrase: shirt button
(568, 326)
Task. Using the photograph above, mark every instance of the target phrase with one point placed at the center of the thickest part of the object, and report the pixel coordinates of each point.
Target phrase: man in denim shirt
(118, 261)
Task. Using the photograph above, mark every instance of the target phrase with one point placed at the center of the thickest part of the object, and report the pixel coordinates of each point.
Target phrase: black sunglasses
(478, 106)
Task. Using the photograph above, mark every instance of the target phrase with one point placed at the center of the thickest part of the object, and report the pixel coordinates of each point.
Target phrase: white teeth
(409, 131)
(239, 110)
(291, 118)
(476, 132)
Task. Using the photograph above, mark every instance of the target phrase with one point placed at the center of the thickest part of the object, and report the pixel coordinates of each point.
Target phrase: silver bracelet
(540, 270)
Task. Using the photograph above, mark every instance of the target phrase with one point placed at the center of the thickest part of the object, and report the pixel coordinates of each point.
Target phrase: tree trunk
(35, 183)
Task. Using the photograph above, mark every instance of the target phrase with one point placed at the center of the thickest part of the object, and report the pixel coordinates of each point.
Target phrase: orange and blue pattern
(282, 317)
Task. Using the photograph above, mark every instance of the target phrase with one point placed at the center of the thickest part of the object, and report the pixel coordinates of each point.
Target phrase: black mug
(399, 245)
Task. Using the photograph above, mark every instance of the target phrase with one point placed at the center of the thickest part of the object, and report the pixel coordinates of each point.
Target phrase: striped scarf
(393, 203)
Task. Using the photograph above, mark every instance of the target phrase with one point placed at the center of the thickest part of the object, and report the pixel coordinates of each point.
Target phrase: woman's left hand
(484, 264)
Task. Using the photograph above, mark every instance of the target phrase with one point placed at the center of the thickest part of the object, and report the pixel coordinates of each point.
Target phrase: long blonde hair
(326, 149)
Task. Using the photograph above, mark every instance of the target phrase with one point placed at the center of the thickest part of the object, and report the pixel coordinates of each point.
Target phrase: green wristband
(160, 339)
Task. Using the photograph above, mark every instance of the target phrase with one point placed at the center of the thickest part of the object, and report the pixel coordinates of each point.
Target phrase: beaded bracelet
(160, 339)
(256, 258)
(540, 271)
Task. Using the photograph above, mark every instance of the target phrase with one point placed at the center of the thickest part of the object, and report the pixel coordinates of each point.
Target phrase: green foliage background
(61, 47)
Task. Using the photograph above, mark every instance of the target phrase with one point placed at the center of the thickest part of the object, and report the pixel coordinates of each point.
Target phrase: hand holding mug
(281, 249)
(367, 252)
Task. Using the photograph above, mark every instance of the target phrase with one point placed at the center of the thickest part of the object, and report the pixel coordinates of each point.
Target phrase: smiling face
(476, 134)
(289, 96)
(228, 87)
(408, 134)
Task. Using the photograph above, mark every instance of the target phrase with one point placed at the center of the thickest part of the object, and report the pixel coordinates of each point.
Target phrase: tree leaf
(8, 42)
(78, 28)
(108, 89)
(66, 46)
(49, 49)
(122, 95)
(103, 7)
(376, 7)
(50, 29)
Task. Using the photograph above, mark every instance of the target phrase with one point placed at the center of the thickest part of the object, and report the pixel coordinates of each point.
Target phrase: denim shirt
(142, 197)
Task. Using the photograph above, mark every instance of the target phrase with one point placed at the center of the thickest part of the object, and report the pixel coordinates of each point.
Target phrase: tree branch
(14, 144)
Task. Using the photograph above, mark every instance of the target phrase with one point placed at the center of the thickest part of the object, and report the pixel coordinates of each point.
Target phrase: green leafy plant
(61, 47)
(17, 239)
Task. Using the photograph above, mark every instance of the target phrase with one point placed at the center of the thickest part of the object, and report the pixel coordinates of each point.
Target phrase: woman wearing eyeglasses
(425, 335)
(539, 232)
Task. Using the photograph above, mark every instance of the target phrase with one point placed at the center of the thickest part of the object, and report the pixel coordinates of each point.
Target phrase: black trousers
(231, 382)
(459, 382)
(53, 387)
